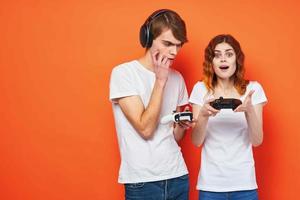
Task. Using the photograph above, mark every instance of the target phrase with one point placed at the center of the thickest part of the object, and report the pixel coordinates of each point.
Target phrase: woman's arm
(254, 117)
(255, 125)
(201, 114)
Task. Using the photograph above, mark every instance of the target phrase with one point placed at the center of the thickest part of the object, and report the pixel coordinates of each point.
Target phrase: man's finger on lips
(164, 60)
(154, 55)
(160, 58)
(158, 62)
(167, 63)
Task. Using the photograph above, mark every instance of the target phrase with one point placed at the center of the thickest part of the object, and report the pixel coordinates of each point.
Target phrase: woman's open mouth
(224, 67)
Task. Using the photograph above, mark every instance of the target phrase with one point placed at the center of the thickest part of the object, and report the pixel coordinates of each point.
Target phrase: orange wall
(57, 135)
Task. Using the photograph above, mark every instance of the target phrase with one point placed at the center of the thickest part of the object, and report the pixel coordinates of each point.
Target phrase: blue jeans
(170, 189)
(237, 195)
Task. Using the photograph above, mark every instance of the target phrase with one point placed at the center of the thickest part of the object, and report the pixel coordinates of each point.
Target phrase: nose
(223, 59)
(173, 50)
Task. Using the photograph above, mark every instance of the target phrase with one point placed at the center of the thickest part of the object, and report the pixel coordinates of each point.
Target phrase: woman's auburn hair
(210, 78)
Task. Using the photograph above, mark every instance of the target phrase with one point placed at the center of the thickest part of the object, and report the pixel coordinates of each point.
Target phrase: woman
(227, 166)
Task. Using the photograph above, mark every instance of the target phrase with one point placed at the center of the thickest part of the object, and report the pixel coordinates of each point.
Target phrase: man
(142, 92)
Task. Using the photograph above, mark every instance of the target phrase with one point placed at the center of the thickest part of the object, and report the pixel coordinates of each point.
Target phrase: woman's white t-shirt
(227, 162)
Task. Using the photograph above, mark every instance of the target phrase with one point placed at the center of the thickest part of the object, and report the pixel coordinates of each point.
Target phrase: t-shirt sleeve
(198, 93)
(121, 84)
(183, 94)
(259, 94)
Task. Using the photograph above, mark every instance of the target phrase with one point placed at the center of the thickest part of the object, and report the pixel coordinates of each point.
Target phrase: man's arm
(144, 120)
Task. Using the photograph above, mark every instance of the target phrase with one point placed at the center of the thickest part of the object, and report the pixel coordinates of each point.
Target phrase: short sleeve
(259, 94)
(198, 94)
(121, 84)
(183, 94)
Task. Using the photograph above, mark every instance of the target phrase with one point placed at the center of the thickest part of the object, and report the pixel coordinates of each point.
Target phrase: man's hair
(169, 20)
(210, 78)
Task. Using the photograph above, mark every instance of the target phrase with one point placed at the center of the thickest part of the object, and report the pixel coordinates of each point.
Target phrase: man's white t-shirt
(227, 162)
(160, 157)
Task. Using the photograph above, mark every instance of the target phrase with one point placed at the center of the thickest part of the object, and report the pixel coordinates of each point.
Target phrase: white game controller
(176, 117)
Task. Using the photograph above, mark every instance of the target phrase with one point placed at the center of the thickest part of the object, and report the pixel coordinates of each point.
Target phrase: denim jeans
(170, 189)
(237, 195)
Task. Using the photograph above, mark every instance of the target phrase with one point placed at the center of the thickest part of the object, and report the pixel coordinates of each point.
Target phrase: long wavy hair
(210, 78)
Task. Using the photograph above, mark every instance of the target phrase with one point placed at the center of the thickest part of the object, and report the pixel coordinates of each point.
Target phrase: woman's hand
(207, 110)
(247, 104)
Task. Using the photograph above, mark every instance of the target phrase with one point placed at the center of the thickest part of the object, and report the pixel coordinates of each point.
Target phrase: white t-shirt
(160, 157)
(227, 162)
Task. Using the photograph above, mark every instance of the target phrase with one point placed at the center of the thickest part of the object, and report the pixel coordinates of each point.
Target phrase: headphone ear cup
(150, 39)
(143, 35)
(146, 38)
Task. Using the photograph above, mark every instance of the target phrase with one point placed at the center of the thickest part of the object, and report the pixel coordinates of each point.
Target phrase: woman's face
(224, 62)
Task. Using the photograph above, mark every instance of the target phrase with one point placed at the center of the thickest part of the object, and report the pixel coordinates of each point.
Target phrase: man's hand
(182, 126)
(161, 65)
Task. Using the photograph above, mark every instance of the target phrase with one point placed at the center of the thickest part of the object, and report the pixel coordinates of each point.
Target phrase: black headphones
(146, 36)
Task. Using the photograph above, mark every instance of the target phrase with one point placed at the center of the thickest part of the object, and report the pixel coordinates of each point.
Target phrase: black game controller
(177, 117)
(225, 103)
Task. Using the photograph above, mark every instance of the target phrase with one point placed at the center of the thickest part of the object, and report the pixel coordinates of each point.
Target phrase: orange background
(57, 135)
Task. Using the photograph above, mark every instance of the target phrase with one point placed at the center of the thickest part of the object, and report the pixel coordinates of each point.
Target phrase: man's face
(167, 45)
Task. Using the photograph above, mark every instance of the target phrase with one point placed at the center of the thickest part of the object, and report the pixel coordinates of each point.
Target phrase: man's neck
(146, 61)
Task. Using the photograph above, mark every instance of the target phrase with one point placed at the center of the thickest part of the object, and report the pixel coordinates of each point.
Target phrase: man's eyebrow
(172, 42)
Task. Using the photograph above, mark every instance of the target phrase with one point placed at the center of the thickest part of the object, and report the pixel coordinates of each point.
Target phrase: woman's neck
(225, 87)
(225, 84)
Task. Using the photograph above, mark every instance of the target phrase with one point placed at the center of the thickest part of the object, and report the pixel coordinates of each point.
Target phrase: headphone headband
(156, 14)
(146, 37)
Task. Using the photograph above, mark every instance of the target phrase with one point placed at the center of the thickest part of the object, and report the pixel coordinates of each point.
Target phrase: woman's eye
(217, 55)
(229, 54)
